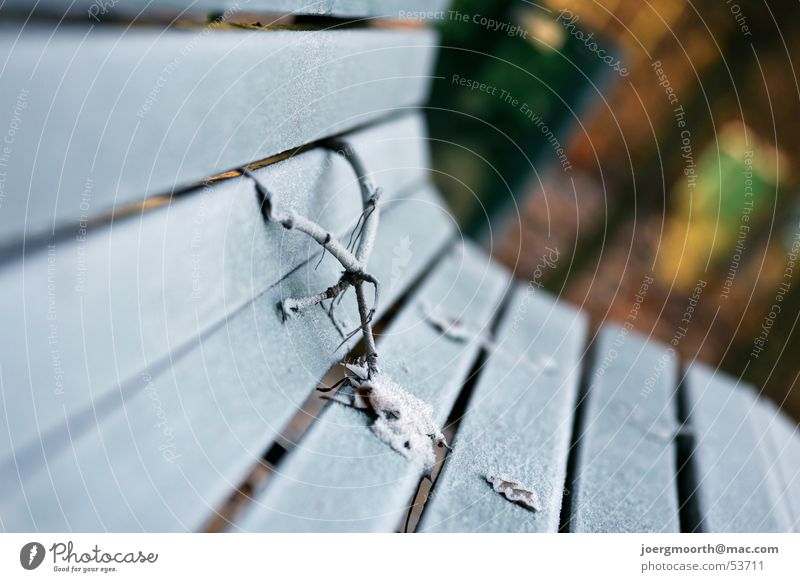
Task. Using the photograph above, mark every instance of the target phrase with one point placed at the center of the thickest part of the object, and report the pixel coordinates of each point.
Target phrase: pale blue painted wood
(735, 488)
(786, 442)
(422, 9)
(778, 442)
(518, 423)
(88, 316)
(342, 477)
(626, 473)
(106, 115)
(187, 436)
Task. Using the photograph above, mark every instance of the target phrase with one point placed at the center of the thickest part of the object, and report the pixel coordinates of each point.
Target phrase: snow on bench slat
(189, 435)
(626, 473)
(518, 423)
(736, 491)
(109, 115)
(342, 477)
(129, 295)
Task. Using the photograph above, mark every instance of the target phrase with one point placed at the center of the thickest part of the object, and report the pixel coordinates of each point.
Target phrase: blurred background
(637, 159)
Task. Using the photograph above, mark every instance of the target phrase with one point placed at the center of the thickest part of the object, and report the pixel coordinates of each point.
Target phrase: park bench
(149, 383)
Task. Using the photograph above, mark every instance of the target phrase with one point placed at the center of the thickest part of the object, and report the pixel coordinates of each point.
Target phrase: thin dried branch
(401, 420)
(353, 262)
(293, 305)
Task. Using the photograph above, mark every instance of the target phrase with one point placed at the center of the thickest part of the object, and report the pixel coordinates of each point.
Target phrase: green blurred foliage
(488, 142)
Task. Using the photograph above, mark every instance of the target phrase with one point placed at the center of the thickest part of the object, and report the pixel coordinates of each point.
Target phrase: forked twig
(354, 257)
(402, 420)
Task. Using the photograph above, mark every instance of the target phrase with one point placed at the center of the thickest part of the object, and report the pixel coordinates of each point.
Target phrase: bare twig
(353, 257)
(401, 420)
(293, 305)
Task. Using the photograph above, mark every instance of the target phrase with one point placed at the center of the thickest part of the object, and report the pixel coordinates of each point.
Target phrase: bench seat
(148, 382)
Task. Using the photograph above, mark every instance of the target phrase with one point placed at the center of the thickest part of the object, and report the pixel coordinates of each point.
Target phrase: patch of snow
(402, 420)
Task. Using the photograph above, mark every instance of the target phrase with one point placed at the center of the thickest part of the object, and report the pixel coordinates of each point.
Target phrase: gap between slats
(345, 479)
(188, 492)
(59, 438)
(33, 243)
(308, 413)
(223, 18)
(587, 365)
(687, 481)
(427, 485)
(761, 505)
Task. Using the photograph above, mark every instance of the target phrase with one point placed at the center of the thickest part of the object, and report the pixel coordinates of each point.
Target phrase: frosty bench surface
(146, 374)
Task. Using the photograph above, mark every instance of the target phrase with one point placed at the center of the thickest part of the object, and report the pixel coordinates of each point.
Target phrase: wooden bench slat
(519, 422)
(786, 439)
(135, 292)
(373, 8)
(109, 115)
(626, 470)
(778, 437)
(342, 477)
(735, 492)
(182, 442)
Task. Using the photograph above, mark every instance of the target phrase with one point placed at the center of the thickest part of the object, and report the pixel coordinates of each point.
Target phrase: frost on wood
(658, 428)
(515, 492)
(402, 420)
(452, 328)
(353, 257)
